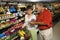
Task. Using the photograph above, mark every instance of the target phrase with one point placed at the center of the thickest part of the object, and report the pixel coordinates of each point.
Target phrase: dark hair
(23, 9)
(29, 7)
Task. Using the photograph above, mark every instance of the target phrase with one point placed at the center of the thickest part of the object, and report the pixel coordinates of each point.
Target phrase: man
(44, 22)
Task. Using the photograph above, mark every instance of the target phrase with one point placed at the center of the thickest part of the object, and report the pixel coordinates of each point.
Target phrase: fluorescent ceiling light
(38, 0)
(33, 0)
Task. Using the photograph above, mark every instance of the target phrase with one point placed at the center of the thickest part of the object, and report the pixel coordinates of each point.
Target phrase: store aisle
(56, 31)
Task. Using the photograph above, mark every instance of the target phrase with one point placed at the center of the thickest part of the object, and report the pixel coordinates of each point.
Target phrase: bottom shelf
(10, 37)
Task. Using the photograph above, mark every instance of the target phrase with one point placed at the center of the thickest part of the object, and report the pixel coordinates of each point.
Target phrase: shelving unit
(10, 26)
(21, 19)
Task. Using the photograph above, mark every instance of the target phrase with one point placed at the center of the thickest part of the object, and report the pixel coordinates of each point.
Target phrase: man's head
(39, 7)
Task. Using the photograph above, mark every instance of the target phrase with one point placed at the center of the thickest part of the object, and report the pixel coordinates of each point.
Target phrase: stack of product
(1, 10)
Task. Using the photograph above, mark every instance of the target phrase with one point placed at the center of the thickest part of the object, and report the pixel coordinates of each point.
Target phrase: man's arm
(38, 23)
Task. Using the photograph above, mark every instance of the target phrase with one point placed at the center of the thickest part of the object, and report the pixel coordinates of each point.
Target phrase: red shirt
(45, 17)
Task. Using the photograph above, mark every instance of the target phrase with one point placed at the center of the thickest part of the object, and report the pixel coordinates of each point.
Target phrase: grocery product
(2, 35)
(12, 9)
(21, 32)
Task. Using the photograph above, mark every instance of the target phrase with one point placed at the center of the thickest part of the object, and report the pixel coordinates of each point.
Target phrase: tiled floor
(56, 31)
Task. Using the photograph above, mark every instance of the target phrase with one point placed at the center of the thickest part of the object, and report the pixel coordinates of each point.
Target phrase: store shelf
(6, 16)
(13, 23)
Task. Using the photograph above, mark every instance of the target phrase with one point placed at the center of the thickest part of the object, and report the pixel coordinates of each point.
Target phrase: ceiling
(30, 0)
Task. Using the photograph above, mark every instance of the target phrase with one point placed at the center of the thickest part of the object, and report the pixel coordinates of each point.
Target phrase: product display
(14, 30)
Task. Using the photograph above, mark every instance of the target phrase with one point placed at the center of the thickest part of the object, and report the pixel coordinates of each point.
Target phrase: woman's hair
(29, 7)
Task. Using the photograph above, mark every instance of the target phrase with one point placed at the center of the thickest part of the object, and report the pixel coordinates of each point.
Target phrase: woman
(28, 18)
